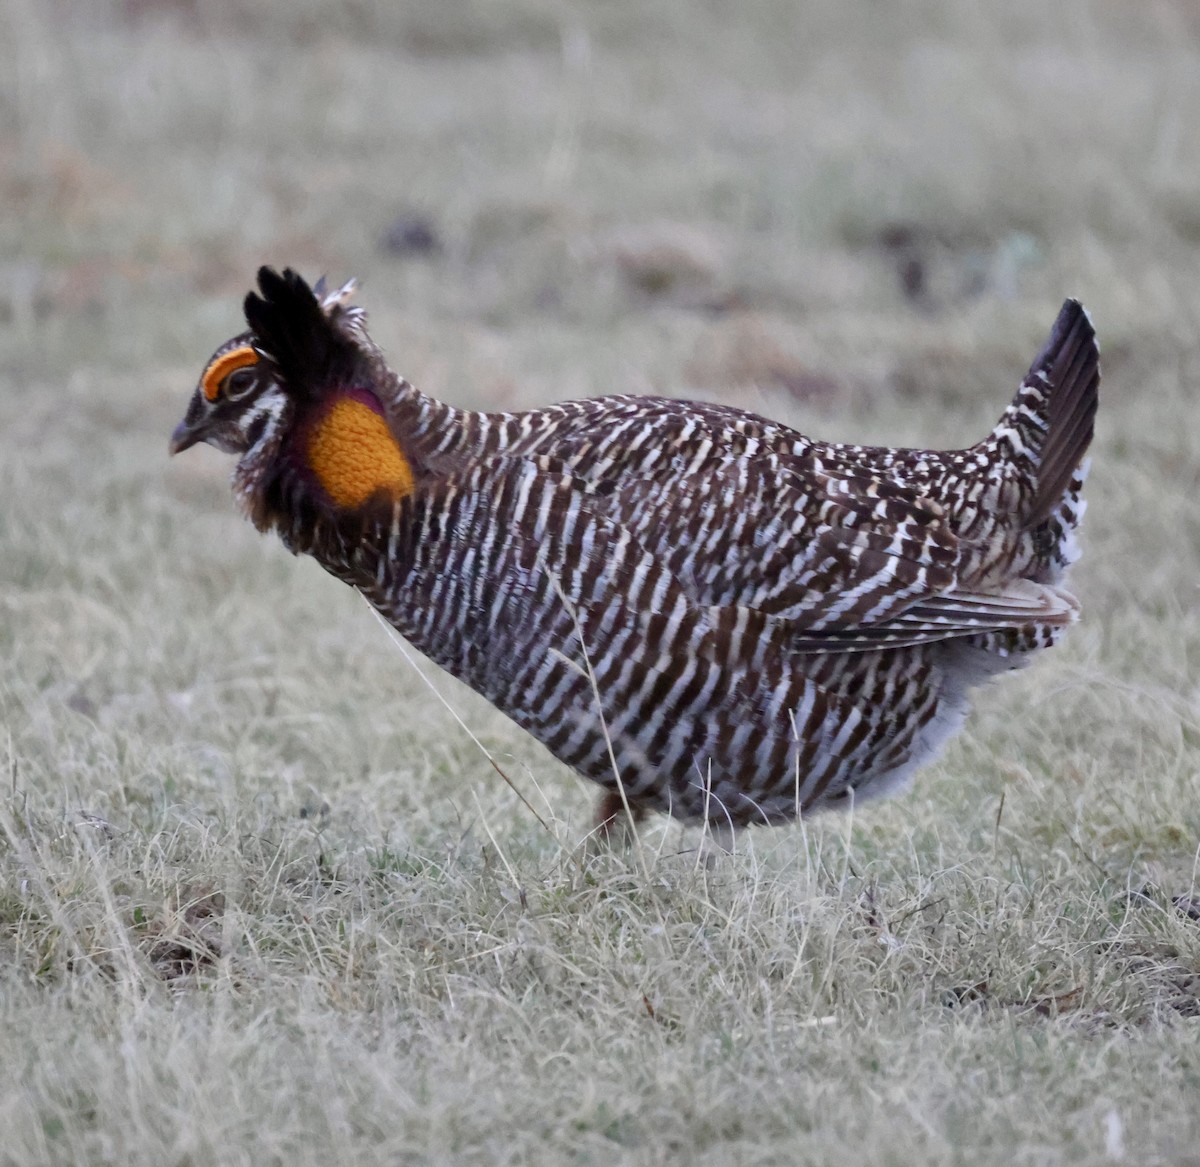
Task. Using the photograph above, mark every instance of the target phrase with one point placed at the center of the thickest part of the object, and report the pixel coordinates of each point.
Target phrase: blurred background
(835, 200)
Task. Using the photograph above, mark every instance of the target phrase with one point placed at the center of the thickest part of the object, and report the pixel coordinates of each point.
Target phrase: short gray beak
(184, 437)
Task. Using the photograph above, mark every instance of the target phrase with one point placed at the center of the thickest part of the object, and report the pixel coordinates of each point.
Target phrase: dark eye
(239, 383)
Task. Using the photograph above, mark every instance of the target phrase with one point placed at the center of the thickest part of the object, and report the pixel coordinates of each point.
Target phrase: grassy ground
(263, 901)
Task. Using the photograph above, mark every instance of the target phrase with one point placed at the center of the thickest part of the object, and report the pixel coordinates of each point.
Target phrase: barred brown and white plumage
(728, 620)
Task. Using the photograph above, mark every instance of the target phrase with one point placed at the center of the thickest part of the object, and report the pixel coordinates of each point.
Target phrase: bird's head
(302, 343)
(238, 399)
(296, 396)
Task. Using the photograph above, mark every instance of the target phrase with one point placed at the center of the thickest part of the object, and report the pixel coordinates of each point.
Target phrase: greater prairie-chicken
(704, 611)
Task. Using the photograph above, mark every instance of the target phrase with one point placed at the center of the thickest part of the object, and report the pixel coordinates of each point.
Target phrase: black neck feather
(289, 324)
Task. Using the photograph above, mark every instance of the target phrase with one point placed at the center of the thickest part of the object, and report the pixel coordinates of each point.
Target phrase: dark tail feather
(1067, 371)
(291, 327)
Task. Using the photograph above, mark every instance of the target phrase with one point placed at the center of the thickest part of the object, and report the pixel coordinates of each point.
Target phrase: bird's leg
(612, 823)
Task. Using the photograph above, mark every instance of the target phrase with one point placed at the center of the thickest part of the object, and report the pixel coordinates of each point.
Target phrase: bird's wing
(838, 564)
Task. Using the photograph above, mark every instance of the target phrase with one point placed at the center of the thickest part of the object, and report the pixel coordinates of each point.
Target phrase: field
(263, 899)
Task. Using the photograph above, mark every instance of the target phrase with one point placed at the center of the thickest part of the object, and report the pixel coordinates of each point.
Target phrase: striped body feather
(733, 621)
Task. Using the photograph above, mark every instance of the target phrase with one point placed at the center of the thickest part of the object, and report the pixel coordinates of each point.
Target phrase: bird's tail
(1047, 430)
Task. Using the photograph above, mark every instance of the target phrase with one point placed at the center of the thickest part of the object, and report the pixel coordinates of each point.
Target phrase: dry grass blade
(399, 643)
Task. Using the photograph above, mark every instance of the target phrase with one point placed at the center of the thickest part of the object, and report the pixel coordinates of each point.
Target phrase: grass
(263, 900)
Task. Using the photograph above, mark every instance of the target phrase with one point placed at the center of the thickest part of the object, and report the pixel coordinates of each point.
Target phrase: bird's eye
(239, 383)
